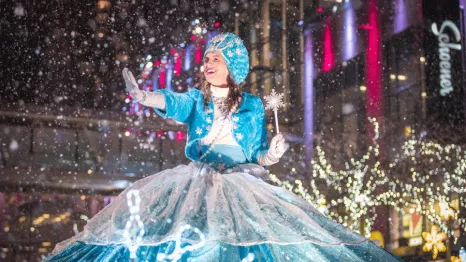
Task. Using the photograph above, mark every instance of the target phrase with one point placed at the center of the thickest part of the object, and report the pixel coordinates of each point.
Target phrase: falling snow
(72, 139)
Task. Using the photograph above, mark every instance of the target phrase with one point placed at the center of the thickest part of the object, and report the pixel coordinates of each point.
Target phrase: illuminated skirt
(195, 213)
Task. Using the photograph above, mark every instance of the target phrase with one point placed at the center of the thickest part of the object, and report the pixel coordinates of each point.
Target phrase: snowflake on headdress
(215, 39)
(274, 101)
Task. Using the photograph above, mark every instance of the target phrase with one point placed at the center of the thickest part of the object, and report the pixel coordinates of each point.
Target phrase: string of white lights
(436, 176)
(179, 251)
(134, 229)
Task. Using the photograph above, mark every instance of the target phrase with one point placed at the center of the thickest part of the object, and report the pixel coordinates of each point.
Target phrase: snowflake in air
(274, 101)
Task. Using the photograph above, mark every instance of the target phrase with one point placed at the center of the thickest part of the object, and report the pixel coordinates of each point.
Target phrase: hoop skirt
(211, 215)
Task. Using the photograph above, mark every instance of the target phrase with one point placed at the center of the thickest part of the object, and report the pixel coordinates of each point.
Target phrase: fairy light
(46, 219)
(248, 258)
(434, 242)
(435, 174)
(134, 229)
(179, 251)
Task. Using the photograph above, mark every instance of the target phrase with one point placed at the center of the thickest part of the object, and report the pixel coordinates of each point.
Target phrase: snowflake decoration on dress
(239, 136)
(221, 166)
(199, 131)
(274, 101)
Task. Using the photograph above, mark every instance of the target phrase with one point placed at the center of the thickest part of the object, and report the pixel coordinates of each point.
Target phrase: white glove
(131, 85)
(277, 147)
(143, 97)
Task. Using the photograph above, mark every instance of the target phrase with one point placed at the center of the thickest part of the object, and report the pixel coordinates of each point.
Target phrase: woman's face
(215, 69)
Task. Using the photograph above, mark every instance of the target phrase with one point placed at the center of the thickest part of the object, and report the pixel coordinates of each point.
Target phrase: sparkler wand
(274, 101)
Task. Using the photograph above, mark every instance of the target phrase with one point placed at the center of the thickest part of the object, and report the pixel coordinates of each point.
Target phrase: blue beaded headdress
(234, 53)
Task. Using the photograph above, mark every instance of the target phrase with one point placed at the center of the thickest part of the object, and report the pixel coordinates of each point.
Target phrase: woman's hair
(234, 95)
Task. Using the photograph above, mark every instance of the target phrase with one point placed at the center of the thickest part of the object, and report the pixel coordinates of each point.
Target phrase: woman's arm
(145, 98)
(156, 100)
(178, 106)
(168, 104)
(260, 145)
(266, 160)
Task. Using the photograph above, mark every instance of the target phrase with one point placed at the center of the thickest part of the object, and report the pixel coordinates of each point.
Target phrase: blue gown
(216, 210)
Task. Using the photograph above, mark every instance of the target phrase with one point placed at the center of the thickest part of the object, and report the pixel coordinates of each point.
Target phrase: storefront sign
(444, 47)
(443, 66)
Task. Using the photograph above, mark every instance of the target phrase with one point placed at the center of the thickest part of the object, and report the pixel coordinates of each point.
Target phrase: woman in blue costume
(235, 215)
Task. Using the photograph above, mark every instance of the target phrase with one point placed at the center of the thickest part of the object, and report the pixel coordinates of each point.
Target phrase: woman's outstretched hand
(131, 85)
